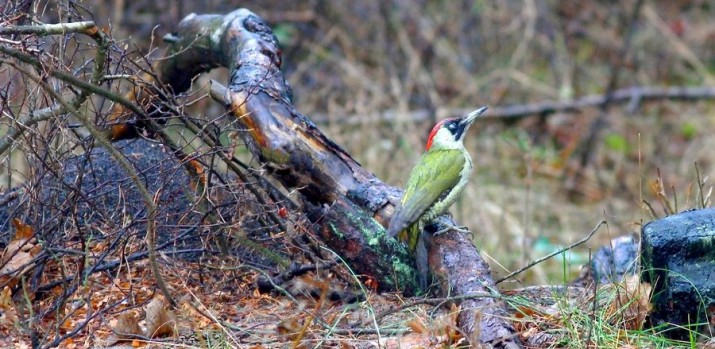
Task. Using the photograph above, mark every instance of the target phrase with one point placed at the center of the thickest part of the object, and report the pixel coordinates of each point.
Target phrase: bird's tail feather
(422, 261)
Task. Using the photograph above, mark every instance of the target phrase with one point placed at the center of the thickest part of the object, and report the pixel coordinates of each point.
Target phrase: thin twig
(5, 199)
(123, 163)
(575, 244)
(594, 305)
(390, 311)
(650, 209)
(100, 59)
(81, 84)
(700, 185)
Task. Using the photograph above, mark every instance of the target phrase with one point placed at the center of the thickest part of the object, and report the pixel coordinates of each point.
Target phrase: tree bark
(346, 204)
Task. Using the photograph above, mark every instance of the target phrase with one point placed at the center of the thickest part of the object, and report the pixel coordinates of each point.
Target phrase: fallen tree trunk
(346, 204)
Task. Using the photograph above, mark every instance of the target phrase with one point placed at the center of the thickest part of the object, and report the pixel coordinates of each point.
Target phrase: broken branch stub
(346, 205)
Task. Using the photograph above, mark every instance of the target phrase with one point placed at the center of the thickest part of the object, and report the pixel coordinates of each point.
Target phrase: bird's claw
(460, 229)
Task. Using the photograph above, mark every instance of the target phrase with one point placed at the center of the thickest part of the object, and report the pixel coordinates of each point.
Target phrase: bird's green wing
(435, 174)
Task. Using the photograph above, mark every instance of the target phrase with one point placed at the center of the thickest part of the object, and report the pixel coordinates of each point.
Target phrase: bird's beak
(469, 119)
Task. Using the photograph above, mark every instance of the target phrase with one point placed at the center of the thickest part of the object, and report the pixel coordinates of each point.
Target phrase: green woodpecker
(433, 185)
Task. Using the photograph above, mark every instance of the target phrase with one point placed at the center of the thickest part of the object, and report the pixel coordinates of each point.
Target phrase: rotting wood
(346, 204)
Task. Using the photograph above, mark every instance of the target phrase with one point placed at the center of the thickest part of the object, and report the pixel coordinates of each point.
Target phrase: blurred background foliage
(375, 75)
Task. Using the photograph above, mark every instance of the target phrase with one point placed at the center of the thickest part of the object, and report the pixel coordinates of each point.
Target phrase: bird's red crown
(434, 132)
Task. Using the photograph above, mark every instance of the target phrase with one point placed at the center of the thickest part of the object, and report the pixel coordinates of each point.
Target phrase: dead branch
(557, 252)
(87, 27)
(633, 96)
(149, 200)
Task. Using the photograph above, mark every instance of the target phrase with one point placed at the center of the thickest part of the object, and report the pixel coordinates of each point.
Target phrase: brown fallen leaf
(160, 321)
(127, 329)
(18, 255)
(8, 314)
(632, 303)
(290, 328)
(416, 326)
(22, 230)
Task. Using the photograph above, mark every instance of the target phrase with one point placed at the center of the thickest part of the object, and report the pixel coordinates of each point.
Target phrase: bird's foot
(460, 229)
